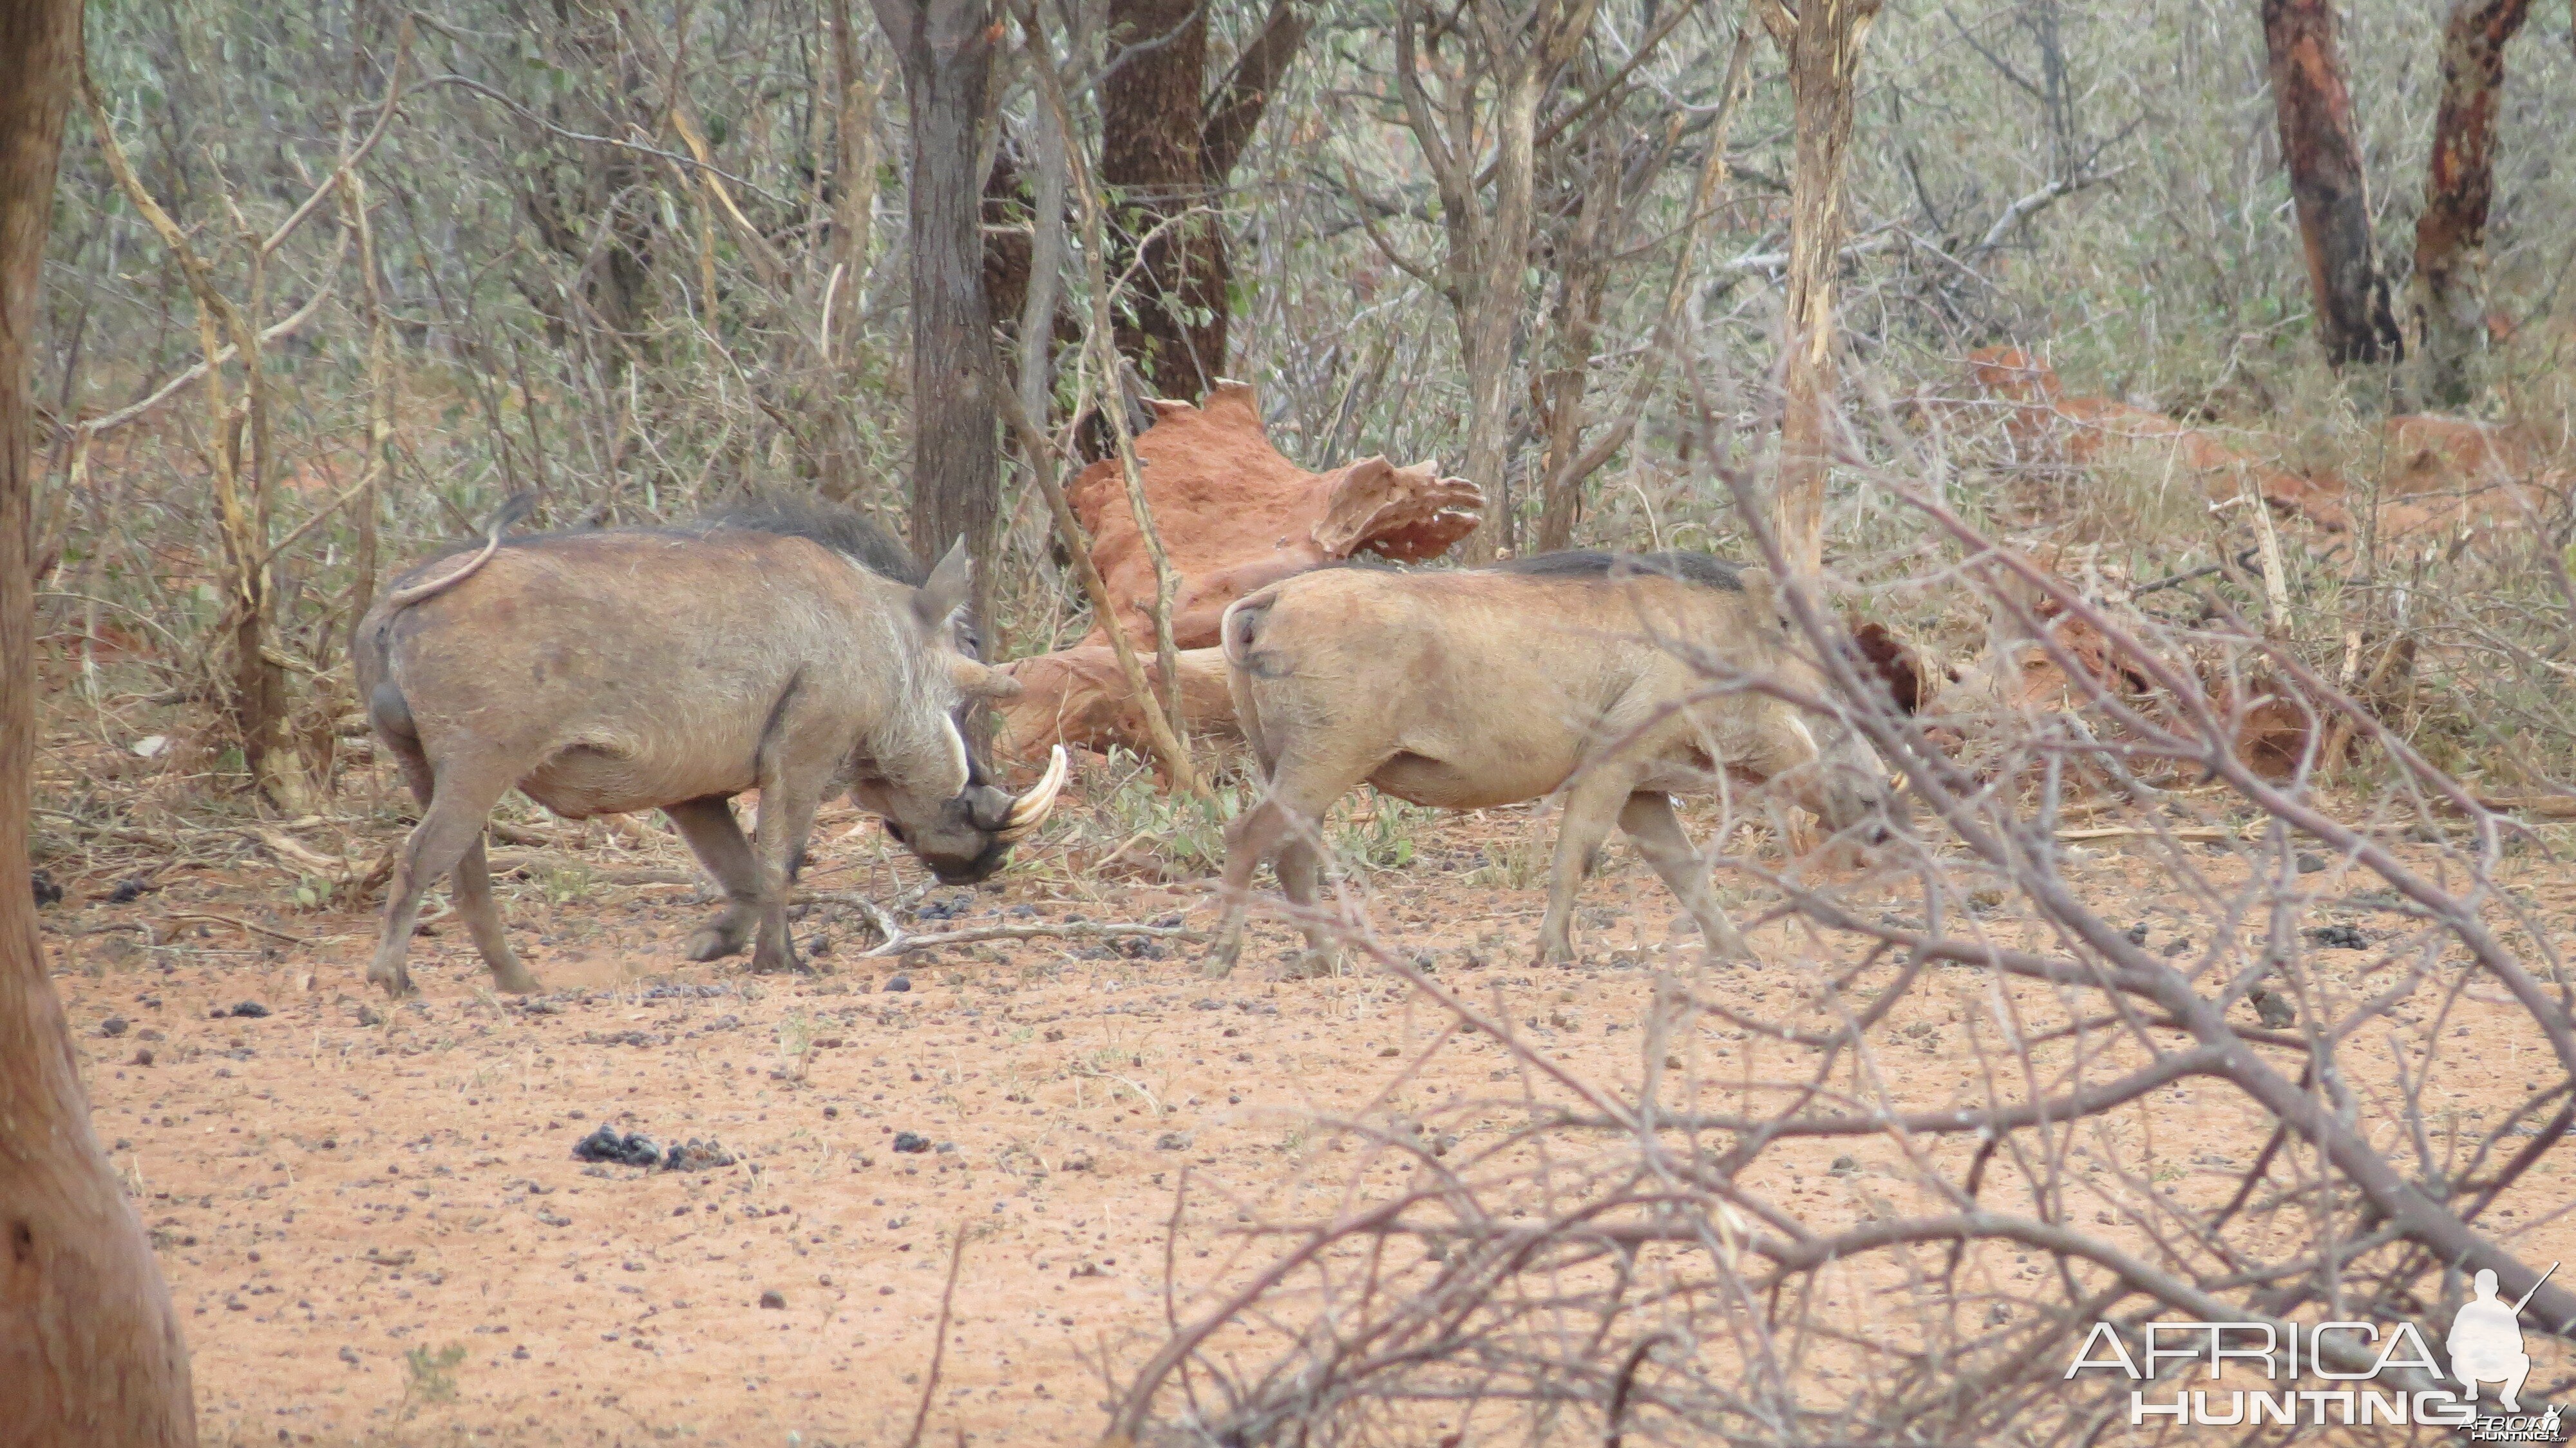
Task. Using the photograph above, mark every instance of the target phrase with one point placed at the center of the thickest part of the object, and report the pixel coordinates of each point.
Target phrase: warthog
(1585, 673)
(674, 668)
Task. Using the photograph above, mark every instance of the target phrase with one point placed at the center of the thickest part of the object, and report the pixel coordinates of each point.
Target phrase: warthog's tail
(1235, 631)
(519, 506)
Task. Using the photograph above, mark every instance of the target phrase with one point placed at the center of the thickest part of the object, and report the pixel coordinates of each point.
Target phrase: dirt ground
(377, 1231)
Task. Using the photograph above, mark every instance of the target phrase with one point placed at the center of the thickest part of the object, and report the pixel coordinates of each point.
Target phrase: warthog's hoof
(396, 982)
(516, 980)
(713, 943)
(1312, 965)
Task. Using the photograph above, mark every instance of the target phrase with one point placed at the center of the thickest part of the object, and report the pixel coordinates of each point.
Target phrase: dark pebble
(2339, 937)
(129, 891)
(774, 1299)
(2310, 864)
(47, 892)
(911, 1141)
(248, 1010)
(898, 983)
(143, 1057)
(112, 1026)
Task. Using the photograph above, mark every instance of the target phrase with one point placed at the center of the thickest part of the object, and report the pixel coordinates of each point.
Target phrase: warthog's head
(1833, 770)
(941, 807)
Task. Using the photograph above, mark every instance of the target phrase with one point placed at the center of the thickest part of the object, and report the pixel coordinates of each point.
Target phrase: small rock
(143, 1056)
(2310, 864)
(1172, 1141)
(2338, 937)
(47, 892)
(129, 891)
(2272, 1010)
(367, 1016)
(349, 1355)
(774, 1300)
(2138, 933)
(112, 1027)
(248, 1010)
(911, 1141)
(898, 984)
(1845, 1164)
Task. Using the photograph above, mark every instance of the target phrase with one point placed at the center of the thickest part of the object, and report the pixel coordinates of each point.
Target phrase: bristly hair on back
(1699, 568)
(838, 529)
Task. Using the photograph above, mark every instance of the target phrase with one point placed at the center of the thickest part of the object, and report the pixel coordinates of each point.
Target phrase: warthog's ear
(950, 586)
(976, 681)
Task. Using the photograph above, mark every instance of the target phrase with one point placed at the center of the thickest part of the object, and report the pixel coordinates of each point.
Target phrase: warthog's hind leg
(1649, 820)
(1592, 806)
(708, 825)
(473, 881)
(449, 827)
(1252, 838)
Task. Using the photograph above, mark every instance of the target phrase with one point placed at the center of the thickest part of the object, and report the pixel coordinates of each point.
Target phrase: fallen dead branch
(895, 940)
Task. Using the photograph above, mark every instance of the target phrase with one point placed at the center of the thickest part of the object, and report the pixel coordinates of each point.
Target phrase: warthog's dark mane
(1697, 568)
(839, 529)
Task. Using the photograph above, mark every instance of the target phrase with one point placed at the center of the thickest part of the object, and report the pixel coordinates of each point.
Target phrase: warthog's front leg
(1649, 820)
(1592, 806)
(786, 817)
(708, 825)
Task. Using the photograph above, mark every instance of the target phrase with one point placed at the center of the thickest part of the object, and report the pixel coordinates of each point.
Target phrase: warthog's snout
(972, 832)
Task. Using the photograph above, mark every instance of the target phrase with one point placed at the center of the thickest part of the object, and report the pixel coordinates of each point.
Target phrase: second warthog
(674, 668)
(1613, 680)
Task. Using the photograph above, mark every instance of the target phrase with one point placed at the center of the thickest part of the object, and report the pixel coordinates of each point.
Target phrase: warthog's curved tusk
(1031, 809)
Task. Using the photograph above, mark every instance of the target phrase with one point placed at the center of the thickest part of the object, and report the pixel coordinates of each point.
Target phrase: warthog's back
(642, 665)
(1490, 687)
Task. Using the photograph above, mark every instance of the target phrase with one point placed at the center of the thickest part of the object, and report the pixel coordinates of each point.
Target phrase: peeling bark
(1822, 40)
(2448, 294)
(2313, 105)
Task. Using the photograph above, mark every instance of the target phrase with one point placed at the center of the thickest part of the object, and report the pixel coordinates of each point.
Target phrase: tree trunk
(2448, 294)
(946, 50)
(1151, 114)
(1492, 316)
(2314, 108)
(89, 1347)
(1822, 40)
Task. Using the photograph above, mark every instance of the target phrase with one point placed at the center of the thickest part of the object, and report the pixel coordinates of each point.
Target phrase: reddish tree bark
(2313, 106)
(89, 1348)
(1169, 145)
(2448, 294)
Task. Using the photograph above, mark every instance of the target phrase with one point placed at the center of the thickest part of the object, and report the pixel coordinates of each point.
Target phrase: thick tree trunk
(1822, 40)
(1151, 115)
(2314, 107)
(946, 50)
(89, 1347)
(1492, 315)
(2448, 294)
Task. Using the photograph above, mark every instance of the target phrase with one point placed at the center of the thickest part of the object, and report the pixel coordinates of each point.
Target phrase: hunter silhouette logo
(2486, 1341)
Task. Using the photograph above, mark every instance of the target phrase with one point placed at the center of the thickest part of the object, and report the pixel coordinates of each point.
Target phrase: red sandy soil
(345, 1181)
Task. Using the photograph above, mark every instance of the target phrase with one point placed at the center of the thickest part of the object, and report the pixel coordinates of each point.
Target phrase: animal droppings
(606, 1145)
(248, 1010)
(774, 1300)
(129, 891)
(47, 892)
(2338, 937)
(911, 1141)
(899, 983)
